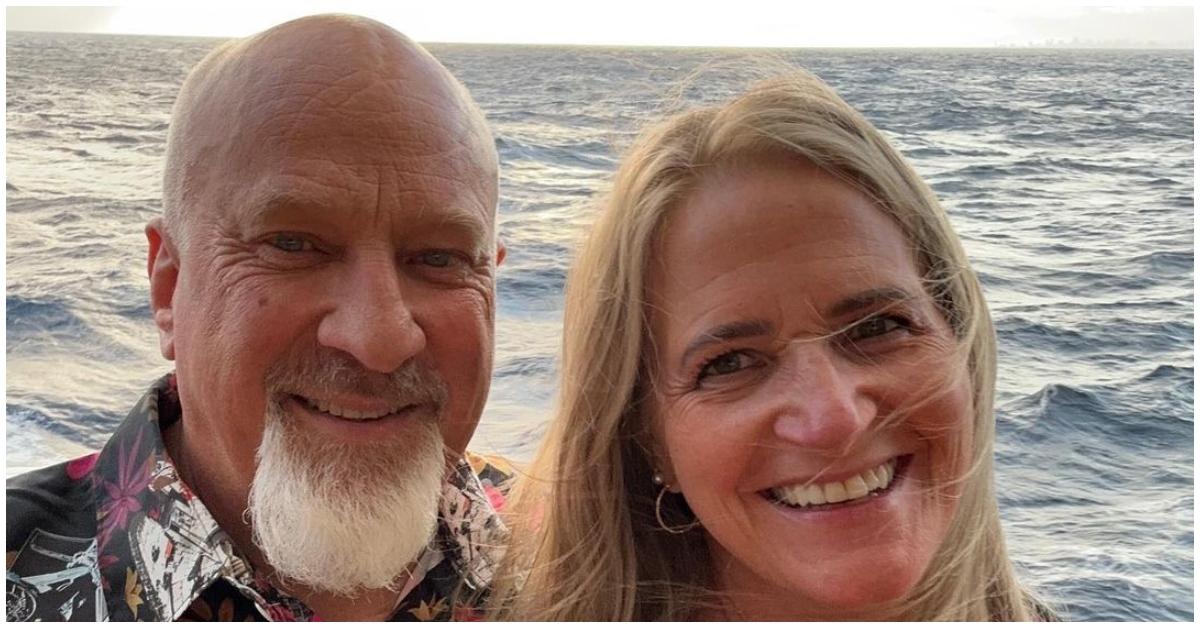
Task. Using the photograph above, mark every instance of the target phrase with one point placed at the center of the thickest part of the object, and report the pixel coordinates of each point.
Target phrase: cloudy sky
(773, 23)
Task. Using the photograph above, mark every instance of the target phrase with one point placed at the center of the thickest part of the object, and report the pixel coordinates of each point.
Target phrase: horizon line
(1132, 46)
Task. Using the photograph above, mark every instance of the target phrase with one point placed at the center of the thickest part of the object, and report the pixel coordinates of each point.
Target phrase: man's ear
(162, 264)
(501, 251)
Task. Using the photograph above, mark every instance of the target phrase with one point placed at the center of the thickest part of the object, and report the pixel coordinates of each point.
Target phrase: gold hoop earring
(662, 524)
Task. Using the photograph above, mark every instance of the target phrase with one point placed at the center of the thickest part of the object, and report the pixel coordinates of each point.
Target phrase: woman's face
(808, 397)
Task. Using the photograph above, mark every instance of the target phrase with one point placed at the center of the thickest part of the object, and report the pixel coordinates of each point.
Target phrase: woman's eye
(291, 243)
(726, 364)
(876, 326)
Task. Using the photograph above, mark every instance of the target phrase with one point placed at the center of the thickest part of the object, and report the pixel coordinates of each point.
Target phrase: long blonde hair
(586, 543)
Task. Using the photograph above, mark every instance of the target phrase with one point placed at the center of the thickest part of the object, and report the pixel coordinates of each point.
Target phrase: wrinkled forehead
(354, 95)
(384, 123)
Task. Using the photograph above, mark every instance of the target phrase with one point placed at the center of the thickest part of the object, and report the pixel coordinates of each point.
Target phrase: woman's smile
(825, 495)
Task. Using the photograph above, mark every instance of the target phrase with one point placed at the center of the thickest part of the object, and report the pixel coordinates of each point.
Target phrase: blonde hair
(586, 544)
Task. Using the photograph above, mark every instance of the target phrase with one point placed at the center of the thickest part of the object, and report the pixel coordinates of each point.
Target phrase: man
(323, 277)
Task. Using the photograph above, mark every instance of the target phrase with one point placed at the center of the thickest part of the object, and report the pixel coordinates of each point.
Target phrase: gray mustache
(326, 374)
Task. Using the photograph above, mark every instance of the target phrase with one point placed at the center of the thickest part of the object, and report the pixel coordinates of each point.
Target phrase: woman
(777, 389)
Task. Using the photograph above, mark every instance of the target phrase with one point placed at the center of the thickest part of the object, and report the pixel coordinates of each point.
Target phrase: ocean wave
(120, 138)
(71, 421)
(588, 154)
(525, 366)
(1115, 333)
(26, 316)
(1166, 261)
(1100, 414)
(78, 152)
(30, 134)
(532, 289)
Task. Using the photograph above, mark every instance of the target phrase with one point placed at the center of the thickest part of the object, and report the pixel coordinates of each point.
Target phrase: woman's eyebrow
(727, 331)
(874, 297)
(759, 327)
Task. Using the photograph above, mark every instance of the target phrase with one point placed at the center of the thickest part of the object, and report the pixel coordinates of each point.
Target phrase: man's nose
(825, 400)
(372, 321)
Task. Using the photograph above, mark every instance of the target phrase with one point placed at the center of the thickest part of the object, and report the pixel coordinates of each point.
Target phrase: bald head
(325, 82)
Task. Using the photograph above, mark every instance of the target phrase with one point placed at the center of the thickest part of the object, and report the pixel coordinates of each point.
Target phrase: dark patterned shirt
(118, 535)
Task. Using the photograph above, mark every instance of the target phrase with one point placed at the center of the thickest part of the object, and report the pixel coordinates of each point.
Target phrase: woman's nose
(824, 400)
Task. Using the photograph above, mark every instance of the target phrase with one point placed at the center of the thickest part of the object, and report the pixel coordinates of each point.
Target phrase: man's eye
(437, 259)
(876, 326)
(291, 243)
(726, 364)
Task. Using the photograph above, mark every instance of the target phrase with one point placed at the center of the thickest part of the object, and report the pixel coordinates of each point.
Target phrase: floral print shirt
(117, 535)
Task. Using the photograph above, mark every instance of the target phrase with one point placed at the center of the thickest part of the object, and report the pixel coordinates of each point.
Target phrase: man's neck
(375, 605)
(221, 497)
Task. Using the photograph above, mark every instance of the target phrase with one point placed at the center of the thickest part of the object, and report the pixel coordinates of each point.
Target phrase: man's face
(342, 233)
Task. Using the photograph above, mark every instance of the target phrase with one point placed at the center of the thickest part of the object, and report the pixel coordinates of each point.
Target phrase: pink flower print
(494, 496)
(78, 468)
(279, 612)
(133, 476)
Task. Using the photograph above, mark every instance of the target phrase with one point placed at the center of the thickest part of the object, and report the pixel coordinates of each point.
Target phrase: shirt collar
(160, 548)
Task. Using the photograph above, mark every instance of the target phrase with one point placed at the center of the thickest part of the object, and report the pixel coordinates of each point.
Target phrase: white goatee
(344, 519)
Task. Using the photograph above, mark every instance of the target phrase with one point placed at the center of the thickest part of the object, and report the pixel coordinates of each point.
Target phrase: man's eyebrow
(867, 299)
(263, 207)
(724, 332)
(464, 222)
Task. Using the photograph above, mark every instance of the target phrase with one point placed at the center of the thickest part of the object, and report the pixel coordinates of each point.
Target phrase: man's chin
(325, 522)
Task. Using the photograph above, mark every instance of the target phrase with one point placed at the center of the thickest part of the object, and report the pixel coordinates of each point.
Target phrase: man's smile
(351, 412)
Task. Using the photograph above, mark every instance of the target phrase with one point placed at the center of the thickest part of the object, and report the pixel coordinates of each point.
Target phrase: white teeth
(835, 492)
(856, 487)
(873, 481)
(816, 496)
(347, 413)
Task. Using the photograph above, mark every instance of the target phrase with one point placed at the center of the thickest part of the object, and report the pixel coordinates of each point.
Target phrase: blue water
(1069, 175)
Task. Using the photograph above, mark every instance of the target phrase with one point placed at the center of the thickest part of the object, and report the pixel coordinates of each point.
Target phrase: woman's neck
(744, 596)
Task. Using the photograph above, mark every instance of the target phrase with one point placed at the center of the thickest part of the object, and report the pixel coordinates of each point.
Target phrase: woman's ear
(162, 265)
(658, 452)
(666, 472)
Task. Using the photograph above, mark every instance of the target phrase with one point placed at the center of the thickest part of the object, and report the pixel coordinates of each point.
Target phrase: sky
(749, 23)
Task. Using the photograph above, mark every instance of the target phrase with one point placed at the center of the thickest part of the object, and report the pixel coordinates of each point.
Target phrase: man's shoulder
(51, 560)
(57, 499)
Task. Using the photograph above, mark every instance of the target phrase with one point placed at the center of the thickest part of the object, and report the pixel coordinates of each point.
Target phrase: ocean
(1068, 174)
